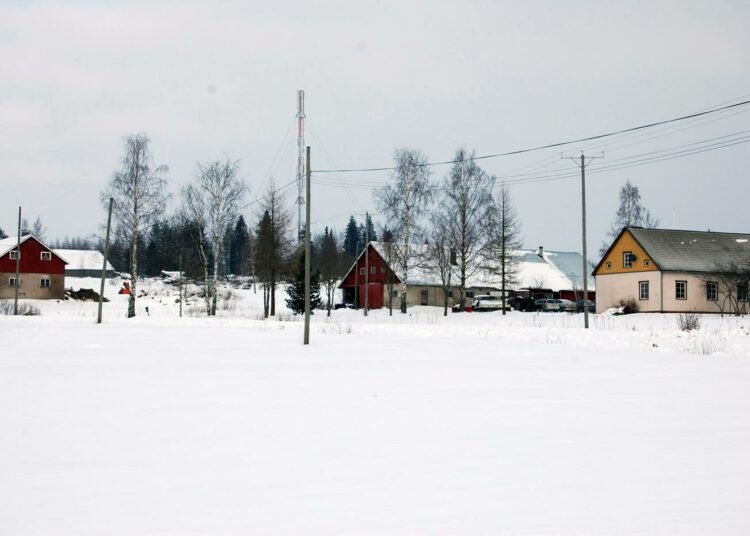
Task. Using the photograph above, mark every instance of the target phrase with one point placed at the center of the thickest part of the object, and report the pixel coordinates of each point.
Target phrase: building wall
(643, 262)
(610, 289)
(435, 296)
(31, 288)
(31, 262)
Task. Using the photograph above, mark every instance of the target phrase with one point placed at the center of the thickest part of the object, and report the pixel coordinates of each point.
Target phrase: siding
(615, 256)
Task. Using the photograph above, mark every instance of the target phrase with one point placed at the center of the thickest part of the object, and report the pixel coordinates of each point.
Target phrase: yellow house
(666, 270)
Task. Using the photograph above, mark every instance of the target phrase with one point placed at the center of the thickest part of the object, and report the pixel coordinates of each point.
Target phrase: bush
(24, 309)
(627, 306)
(689, 321)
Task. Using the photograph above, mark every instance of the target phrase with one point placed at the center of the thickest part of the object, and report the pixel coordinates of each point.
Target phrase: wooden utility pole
(582, 164)
(367, 262)
(104, 264)
(18, 263)
(179, 283)
(307, 251)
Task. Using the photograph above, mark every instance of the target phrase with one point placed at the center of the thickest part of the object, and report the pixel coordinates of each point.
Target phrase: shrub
(627, 306)
(689, 321)
(24, 309)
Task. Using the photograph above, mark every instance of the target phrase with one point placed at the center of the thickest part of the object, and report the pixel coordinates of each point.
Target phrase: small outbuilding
(84, 263)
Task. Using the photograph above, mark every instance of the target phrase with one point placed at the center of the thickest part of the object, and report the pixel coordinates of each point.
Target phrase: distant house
(541, 274)
(42, 270)
(84, 263)
(666, 270)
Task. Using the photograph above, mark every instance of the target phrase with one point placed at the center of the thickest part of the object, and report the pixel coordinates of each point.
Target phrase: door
(374, 296)
(424, 299)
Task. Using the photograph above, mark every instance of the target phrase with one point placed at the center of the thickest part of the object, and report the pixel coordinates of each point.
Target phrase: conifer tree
(296, 291)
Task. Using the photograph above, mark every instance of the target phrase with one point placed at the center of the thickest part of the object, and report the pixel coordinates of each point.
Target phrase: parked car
(489, 303)
(519, 303)
(547, 305)
(591, 305)
(568, 306)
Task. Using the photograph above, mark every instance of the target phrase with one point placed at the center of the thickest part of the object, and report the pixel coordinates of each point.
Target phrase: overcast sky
(207, 78)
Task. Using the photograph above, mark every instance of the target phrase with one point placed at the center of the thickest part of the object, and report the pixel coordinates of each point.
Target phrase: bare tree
(506, 240)
(138, 191)
(403, 202)
(441, 255)
(630, 212)
(727, 287)
(193, 217)
(469, 208)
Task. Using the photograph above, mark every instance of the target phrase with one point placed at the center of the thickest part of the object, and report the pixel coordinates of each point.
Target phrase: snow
(411, 424)
(82, 259)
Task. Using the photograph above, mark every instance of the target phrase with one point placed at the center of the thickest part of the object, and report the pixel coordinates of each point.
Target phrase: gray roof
(693, 251)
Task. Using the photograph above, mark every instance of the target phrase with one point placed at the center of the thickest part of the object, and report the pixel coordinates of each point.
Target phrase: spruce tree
(296, 291)
(351, 237)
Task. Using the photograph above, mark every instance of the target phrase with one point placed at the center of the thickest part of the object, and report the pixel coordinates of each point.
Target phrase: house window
(12, 281)
(394, 294)
(14, 255)
(373, 269)
(712, 290)
(742, 291)
(362, 271)
(643, 290)
(646, 262)
(609, 265)
(469, 294)
(680, 290)
(46, 256)
(44, 282)
(627, 259)
(450, 293)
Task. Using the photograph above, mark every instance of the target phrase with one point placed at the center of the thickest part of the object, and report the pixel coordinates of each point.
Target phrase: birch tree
(630, 212)
(469, 209)
(216, 194)
(402, 202)
(139, 198)
(506, 239)
(439, 253)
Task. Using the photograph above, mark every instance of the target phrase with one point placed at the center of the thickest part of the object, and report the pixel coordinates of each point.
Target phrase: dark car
(591, 305)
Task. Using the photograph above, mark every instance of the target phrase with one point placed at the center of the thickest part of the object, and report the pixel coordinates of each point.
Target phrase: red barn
(372, 269)
(42, 271)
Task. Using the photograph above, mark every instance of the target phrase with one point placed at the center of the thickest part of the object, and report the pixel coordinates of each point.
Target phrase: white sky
(203, 79)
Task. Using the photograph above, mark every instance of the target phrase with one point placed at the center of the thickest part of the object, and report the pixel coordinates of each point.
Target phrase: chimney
(540, 252)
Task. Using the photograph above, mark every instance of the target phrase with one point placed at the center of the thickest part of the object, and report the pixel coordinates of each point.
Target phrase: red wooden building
(42, 271)
(369, 268)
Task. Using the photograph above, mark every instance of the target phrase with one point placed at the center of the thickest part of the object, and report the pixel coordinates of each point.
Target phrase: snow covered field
(415, 424)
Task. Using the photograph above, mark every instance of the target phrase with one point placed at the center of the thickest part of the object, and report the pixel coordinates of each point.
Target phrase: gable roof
(8, 244)
(692, 251)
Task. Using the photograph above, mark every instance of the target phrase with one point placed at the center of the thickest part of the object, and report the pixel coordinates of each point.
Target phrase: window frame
(608, 265)
(45, 256)
(42, 280)
(11, 281)
(14, 255)
(742, 292)
(363, 271)
(676, 289)
(646, 263)
(715, 286)
(641, 286)
(627, 259)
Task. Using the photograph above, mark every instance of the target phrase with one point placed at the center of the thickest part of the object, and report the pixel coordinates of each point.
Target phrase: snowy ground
(415, 424)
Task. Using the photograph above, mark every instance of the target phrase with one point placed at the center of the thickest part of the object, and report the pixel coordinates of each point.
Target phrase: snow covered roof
(554, 270)
(7, 244)
(83, 259)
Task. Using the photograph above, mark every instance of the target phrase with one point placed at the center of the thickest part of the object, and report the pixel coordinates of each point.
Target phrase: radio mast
(300, 158)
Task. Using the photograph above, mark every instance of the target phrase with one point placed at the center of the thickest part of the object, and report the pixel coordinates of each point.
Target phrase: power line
(556, 144)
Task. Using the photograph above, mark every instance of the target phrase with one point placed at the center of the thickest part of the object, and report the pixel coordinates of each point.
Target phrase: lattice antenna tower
(300, 158)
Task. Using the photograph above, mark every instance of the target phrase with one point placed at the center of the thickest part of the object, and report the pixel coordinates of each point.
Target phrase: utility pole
(300, 157)
(179, 283)
(307, 252)
(18, 263)
(104, 264)
(367, 261)
(582, 164)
